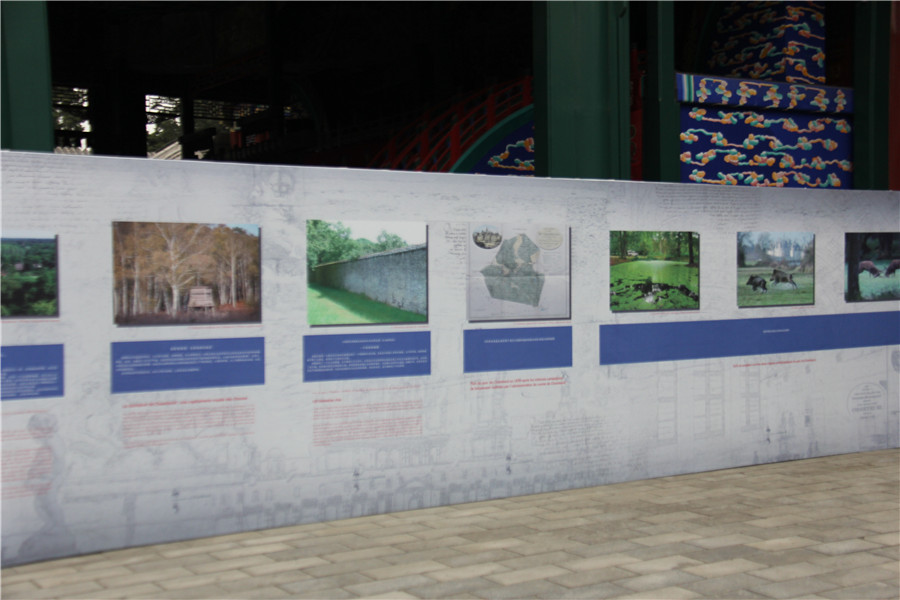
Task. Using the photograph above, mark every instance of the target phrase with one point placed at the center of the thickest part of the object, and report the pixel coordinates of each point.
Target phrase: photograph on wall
(366, 272)
(871, 262)
(518, 272)
(775, 268)
(654, 270)
(186, 273)
(29, 285)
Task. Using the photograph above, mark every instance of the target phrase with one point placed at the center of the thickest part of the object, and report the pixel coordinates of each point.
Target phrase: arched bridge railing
(437, 144)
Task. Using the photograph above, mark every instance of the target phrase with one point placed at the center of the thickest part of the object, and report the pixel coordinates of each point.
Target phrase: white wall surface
(458, 437)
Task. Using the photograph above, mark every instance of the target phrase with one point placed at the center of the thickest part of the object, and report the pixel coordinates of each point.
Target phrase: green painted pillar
(661, 110)
(871, 98)
(27, 116)
(581, 72)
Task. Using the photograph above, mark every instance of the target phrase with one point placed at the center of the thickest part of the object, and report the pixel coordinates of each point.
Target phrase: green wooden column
(581, 73)
(27, 119)
(871, 98)
(661, 110)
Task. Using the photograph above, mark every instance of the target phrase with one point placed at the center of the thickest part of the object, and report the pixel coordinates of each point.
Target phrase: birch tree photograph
(186, 273)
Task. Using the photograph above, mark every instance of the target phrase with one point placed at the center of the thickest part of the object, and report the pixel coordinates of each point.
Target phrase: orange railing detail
(436, 144)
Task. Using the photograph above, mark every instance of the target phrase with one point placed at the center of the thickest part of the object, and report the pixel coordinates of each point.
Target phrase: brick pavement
(819, 528)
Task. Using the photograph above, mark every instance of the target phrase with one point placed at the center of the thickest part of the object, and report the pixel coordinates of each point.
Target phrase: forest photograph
(28, 281)
(366, 272)
(186, 273)
(871, 262)
(775, 268)
(654, 270)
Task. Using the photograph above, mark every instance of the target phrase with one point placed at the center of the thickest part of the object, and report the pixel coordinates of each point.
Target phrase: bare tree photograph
(186, 273)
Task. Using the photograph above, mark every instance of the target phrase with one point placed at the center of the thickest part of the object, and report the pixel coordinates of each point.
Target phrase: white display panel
(116, 435)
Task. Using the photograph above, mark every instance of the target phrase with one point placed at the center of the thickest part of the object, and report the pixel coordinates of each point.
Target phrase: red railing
(437, 144)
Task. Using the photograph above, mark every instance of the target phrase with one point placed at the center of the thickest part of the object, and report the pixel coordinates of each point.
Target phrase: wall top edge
(32, 162)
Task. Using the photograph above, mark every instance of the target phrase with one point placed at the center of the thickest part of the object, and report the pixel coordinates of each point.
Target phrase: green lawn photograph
(366, 272)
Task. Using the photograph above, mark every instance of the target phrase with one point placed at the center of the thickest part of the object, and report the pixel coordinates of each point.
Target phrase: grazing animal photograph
(758, 283)
(870, 266)
(778, 268)
(779, 276)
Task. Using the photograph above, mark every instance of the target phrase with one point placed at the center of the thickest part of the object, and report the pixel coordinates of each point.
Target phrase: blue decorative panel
(767, 95)
(782, 41)
(513, 155)
(777, 134)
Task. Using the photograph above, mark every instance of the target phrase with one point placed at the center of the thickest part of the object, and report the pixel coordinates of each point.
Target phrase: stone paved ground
(819, 528)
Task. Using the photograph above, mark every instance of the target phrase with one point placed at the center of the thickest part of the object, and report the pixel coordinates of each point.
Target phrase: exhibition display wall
(172, 368)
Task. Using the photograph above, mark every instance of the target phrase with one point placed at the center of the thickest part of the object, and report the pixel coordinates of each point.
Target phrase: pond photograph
(654, 270)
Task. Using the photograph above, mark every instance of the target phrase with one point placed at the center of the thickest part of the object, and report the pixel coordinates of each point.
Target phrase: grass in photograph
(653, 285)
(873, 288)
(777, 294)
(329, 306)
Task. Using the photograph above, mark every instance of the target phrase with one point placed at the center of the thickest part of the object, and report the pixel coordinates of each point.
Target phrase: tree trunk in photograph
(853, 267)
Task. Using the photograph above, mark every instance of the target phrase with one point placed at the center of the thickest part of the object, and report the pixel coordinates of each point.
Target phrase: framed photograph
(871, 262)
(186, 273)
(366, 272)
(775, 268)
(29, 285)
(518, 272)
(654, 270)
